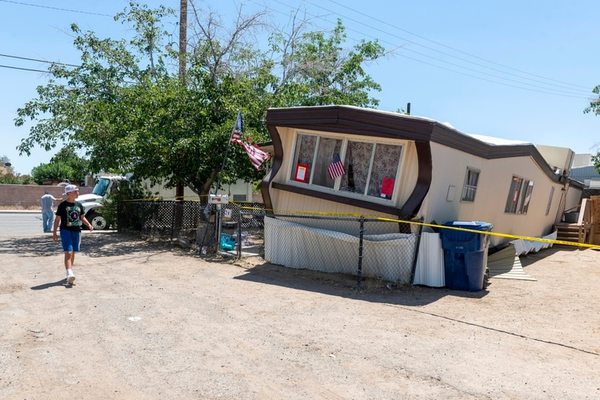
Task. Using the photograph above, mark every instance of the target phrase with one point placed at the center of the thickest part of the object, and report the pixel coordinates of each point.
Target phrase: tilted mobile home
(400, 166)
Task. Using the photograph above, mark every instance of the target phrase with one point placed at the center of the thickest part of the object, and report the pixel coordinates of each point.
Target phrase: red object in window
(387, 187)
(302, 172)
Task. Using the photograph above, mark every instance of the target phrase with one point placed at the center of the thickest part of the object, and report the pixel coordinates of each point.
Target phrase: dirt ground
(146, 321)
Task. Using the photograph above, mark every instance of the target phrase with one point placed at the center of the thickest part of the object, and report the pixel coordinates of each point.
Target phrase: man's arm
(86, 222)
(55, 227)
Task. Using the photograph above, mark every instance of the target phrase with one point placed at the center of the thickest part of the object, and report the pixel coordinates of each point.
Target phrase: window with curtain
(519, 196)
(470, 186)
(367, 168)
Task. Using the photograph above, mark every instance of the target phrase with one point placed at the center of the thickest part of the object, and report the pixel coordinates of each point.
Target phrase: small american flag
(336, 168)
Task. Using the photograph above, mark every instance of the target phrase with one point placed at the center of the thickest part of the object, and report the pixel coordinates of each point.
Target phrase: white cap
(70, 188)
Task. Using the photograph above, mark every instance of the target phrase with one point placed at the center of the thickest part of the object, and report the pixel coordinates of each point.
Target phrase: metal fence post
(239, 232)
(361, 233)
(174, 211)
(416, 253)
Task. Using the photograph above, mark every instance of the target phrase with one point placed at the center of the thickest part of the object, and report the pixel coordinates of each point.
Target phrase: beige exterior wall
(443, 201)
(449, 169)
(557, 157)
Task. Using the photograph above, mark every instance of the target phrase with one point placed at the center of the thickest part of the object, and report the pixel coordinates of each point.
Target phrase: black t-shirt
(70, 215)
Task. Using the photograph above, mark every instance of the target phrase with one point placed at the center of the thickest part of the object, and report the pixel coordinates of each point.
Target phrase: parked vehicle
(93, 202)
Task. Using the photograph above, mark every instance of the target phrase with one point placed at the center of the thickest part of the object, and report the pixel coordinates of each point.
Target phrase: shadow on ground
(532, 258)
(346, 286)
(97, 244)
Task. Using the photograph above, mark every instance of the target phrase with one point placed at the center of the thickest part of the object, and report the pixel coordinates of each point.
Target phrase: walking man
(70, 216)
(47, 201)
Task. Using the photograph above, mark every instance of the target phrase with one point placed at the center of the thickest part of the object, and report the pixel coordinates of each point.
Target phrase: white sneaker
(70, 277)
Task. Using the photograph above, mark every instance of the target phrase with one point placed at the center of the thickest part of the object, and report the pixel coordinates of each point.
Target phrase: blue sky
(517, 70)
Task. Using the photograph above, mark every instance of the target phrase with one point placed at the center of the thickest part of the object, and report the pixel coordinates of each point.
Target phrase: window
(519, 196)
(470, 187)
(369, 169)
(550, 200)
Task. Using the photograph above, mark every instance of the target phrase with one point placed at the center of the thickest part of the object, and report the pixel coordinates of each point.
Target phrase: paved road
(21, 224)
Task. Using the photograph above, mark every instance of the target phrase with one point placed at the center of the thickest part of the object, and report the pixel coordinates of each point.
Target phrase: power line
(24, 69)
(548, 88)
(553, 86)
(456, 49)
(55, 8)
(38, 60)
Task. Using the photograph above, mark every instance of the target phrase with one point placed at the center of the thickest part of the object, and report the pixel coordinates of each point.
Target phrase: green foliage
(596, 161)
(127, 191)
(128, 109)
(595, 108)
(321, 72)
(55, 172)
(8, 176)
(66, 165)
(12, 179)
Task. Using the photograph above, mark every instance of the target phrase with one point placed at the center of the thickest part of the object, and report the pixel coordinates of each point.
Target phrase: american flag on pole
(336, 168)
(256, 154)
(237, 131)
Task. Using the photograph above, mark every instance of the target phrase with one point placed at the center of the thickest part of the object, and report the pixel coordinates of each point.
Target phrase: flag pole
(237, 128)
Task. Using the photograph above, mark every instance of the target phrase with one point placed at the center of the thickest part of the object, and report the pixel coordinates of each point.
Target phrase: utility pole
(182, 67)
(182, 39)
(178, 221)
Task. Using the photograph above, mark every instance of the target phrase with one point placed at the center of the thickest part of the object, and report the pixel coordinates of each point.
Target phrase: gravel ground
(145, 321)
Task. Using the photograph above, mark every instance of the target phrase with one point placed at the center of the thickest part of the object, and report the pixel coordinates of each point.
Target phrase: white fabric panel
(387, 256)
(430, 261)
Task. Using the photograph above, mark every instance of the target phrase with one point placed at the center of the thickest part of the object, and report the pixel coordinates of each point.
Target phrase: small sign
(302, 172)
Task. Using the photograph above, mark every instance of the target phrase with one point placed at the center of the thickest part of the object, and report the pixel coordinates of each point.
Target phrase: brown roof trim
(370, 122)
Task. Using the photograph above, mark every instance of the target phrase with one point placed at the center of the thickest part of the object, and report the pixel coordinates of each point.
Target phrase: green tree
(8, 175)
(66, 165)
(52, 172)
(127, 108)
(595, 108)
(318, 70)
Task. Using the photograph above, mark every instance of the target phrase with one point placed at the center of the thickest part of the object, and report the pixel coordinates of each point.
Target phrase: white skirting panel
(430, 261)
(523, 247)
(386, 256)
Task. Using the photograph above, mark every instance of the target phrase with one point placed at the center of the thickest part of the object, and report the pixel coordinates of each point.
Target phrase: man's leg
(45, 224)
(69, 246)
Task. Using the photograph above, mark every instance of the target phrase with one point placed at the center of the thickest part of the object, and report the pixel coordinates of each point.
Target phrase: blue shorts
(70, 240)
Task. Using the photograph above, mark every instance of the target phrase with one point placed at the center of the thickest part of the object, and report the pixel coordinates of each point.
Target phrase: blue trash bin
(465, 255)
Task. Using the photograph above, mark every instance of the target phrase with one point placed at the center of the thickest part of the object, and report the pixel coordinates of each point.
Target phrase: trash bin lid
(476, 225)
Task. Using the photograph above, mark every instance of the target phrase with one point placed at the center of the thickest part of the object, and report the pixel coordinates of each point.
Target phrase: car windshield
(101, 186)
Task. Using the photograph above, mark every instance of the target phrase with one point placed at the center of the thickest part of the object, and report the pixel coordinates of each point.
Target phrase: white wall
(449, 168)
(557, 157)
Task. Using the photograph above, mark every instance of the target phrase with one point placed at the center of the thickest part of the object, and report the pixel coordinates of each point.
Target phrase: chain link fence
(202, 224)
(358, 246)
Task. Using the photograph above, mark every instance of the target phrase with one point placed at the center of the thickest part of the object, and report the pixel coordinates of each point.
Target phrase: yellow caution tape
(497, 234)
(489, 233)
